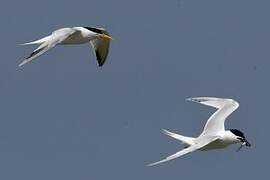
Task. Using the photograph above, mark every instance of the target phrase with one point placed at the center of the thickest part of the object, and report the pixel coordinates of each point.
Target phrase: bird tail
(40, 41)
(184, 139)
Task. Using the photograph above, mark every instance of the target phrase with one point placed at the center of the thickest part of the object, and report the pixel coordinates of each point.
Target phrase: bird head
(100, 32)
(240, 137)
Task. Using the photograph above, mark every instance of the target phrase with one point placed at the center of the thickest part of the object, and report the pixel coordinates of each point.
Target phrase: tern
(214, 135)
(99, 38)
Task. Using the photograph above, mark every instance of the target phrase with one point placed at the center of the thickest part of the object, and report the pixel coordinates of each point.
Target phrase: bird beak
(247, 144)
(105, 36)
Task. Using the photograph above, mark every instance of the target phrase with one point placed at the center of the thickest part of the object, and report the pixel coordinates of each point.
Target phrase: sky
(63, 117)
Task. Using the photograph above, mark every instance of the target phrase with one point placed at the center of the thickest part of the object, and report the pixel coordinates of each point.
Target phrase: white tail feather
(40, 41)
(184, 139)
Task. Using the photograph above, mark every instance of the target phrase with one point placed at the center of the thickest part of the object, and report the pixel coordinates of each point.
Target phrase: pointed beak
(105, 36)
(244, 143)
(247, 143)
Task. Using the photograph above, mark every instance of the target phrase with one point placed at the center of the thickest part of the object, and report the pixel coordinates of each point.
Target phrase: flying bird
(214, 135)
(99, 38)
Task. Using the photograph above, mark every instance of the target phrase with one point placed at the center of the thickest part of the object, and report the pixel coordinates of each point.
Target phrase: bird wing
(216, 121)
(200, 143)
(101, 47)
(55, 38)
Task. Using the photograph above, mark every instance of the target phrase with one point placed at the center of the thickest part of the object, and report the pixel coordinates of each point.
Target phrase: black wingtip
(100, 65)
(99, 59)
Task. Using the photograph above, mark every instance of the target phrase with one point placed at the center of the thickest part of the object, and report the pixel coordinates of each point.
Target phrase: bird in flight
(99, 38)
(214, 135)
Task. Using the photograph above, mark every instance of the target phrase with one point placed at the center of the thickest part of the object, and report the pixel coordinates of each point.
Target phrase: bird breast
(225, 139)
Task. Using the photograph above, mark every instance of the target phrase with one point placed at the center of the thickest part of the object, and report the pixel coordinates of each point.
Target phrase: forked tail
(40, 41)
(184, 139)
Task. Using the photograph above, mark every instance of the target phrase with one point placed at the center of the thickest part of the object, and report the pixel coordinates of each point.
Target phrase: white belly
(225, 139)
(218, 144)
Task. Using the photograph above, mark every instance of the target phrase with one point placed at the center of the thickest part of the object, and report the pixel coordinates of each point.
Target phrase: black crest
(96, 30)
(238, 133)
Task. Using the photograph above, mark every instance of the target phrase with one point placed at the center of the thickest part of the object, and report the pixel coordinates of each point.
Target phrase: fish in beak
(245, 143)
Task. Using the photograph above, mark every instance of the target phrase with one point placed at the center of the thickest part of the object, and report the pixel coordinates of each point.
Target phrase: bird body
(81, 35)
(98, 37)
(225, 139)
(214, 135)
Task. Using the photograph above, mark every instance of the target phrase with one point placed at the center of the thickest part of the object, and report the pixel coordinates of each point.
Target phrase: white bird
(214, 135)
(98, 37)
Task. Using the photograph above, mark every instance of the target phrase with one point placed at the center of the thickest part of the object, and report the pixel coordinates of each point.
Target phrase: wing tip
(195, 99)
(165, 131)
(155, 163)
(22, 63)
(205, 98)
(100, 64)
(100, 61)
(150, 165)
(21, 44)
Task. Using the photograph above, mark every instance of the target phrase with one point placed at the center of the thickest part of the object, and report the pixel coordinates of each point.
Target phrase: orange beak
(105, 36)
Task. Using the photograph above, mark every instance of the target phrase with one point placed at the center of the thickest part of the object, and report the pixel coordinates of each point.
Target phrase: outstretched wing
(201, 143)
(101, 47)
(216, 122)
(37, 52)
(55, 38)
